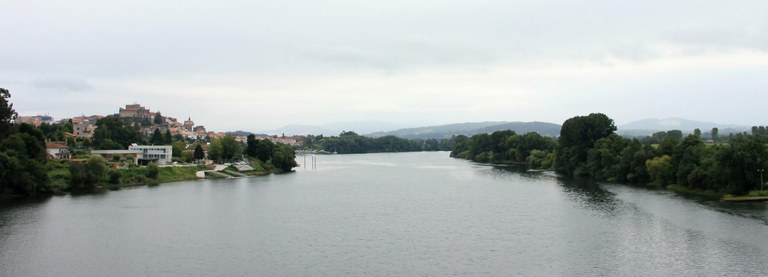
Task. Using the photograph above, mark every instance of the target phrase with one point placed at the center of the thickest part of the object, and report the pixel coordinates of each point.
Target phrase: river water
(406, 214)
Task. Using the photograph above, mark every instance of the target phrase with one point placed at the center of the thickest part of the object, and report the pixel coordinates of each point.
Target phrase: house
(57, 151)
(158, 154)
(84, 129)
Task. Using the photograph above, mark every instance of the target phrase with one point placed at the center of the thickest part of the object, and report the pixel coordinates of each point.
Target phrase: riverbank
(136, 176)
(710, 194)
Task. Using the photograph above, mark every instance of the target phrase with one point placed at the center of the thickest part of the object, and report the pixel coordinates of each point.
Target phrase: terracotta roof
(55, 145)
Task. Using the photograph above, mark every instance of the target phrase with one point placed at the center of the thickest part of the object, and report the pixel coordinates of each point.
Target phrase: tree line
(587, 146)
(352, 143)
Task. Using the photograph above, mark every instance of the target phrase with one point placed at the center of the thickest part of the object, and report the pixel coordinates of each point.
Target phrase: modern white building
(158, 154)
(139, 154)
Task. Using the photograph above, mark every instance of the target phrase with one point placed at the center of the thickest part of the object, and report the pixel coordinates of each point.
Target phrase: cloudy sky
(256, 65)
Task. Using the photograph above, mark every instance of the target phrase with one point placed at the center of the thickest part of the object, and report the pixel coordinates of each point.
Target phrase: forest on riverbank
(353, 143)
(588, 147)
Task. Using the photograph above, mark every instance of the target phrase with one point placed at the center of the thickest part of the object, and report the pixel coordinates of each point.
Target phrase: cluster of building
(137, 115)
(35, 119)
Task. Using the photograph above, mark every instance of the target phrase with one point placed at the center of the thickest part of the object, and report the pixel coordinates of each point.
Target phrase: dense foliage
(587, 146)
(113, 133)
(281, 156)
(85, 177)
(507, 147)
(22, 154)
(284, 158)
(577, 136)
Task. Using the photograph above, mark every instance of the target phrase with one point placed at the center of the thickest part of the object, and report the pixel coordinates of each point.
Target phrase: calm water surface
(410, 214)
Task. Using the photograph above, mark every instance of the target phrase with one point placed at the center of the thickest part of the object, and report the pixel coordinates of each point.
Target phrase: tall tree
(741, 160)
(22, 154)
(7, 113)
(715, 134)
(167, 138)
(252, 144)
(199, 153)
(284, 158)
(157, 138)
(230, 148)
(158, 118)
(577, 136)
(264, 150)
(215, 150)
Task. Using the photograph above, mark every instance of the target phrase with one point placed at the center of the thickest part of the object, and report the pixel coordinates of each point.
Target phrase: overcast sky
(257, 65)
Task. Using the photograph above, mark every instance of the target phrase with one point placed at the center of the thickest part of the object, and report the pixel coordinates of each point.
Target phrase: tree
(264, 150)
(114, 177)
(660, 169)
(7, 113)
(215, 150)
(252, 144)
(113, 133)
(715, 134)
(152, 171)
(158, 118)
(22, 161)
(178, 148)
(230, 148)
(199, 153)
(167, 138)
(741, 160)
(577, 136)
(284, 158)
(157, 138)
(85, 177)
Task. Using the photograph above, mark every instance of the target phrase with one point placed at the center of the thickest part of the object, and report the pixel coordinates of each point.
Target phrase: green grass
(758, 193)
(695, 192)
(733, 198)
(175, 174)
(58, 173)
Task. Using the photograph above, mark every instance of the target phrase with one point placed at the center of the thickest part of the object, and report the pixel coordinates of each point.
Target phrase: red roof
(53, 145)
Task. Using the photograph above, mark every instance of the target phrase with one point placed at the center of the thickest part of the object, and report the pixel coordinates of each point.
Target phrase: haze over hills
(472, 128)
(638, 128)
(334, 129)
(649, 126)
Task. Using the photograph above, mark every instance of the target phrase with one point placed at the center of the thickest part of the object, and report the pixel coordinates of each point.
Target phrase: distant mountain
(334, 129)
(472, 128)
(649, 126)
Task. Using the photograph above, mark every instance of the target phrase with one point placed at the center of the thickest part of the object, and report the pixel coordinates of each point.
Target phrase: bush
(85, 177)
(152, 171)
(114, 177)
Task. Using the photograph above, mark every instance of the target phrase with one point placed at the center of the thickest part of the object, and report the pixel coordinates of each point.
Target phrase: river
(405, 214)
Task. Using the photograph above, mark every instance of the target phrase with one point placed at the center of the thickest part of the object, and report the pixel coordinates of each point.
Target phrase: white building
(158, 154)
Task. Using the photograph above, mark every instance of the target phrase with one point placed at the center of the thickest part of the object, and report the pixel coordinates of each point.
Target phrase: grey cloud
(61, 84)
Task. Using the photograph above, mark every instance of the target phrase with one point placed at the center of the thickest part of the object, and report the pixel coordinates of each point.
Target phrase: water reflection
(512, 171)
(590, 195)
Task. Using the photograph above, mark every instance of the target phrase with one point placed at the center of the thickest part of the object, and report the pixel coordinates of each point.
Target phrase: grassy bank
(59, 175)
(711, 194)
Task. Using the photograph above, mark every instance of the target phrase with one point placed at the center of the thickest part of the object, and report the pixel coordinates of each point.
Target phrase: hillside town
(147, 122)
